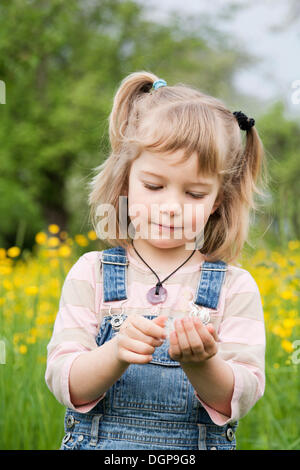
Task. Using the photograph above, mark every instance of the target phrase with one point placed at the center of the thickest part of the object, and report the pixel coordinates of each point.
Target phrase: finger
(174, 351)
(193, 337)
(212, 331)
(182, 338)
(134, 345)
(148, 327)
(129, 330)
(160, 320)
(133, 358)
(207, 339)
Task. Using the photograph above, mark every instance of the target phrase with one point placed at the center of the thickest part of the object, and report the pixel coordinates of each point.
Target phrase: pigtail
(228, 227)
(132, 87)
(253, 175)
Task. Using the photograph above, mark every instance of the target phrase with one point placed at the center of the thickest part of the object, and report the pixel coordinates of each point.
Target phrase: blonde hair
(182, 117)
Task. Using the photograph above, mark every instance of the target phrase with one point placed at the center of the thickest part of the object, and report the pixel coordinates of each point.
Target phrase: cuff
(217, 417)
(66, 389)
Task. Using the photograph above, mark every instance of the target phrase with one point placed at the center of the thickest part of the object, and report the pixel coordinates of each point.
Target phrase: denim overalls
(151, 406)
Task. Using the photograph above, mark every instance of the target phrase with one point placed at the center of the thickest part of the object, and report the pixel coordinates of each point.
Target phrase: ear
(217, 203)
(215, 206)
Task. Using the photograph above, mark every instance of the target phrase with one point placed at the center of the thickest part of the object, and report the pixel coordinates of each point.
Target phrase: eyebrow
(199, 182)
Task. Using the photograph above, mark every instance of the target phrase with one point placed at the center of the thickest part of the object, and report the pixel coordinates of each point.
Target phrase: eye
(152, 187)
(198, 196)
(155, 188)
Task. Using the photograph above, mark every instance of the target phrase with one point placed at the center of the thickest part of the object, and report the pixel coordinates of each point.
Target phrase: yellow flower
(287, 294)
(31, 339)
(29, 313)
(52, 253)
(41, 320)
(81, 240)
(293, 313)
(275, 302)
(261, 255)
(41, 238)
(92, 235)
(2, 301)
(31, 290)
(276, 365)
(287, 345)
(7, 284)
(64, 251)
(289, 322)
(294, 244)
(14, 251)
(45, 306)
(10, 295)
(279, 331)
(2, 253)
(23, 349)
(54, 263)
(53, 242)
(54, 284)
(33, 331)
(18, 281)
(5, 270)
(16, 338)
(53, 228)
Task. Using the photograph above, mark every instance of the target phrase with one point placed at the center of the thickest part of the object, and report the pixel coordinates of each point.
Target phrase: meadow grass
(30, 288)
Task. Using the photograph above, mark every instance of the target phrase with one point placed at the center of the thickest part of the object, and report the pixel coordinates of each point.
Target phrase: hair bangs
(190, 126)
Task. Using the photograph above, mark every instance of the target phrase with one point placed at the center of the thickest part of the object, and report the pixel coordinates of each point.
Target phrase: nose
(170, 214)
(171, 209)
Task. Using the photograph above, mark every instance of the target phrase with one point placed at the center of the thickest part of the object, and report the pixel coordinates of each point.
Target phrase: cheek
(139, 204)
(201, 213)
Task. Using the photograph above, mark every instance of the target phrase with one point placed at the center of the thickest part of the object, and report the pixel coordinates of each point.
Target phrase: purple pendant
(156, 299)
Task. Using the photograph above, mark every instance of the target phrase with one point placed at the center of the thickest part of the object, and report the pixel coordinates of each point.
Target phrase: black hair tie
(244, 122)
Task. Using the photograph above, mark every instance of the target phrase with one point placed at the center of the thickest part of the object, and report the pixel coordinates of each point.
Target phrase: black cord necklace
(158, 293)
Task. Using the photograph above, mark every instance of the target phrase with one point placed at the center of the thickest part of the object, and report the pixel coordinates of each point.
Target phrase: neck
(164, 259)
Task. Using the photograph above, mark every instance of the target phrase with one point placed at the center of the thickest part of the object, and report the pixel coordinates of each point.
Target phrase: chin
(165, 243)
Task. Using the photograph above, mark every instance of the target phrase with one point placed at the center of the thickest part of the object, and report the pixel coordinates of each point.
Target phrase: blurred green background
(61, 63)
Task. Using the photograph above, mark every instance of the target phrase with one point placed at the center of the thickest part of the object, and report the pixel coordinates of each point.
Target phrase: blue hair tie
(158, 83)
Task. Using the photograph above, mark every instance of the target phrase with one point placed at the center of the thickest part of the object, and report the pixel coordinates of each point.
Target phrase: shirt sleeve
(75, 329)
(242, 344)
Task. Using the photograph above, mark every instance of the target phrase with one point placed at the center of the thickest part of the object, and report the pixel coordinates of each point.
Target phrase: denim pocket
(81, 430)
(76, 442)
(152, 387)
(219, 437)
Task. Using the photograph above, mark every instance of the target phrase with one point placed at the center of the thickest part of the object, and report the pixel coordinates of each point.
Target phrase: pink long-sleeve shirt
(239, 322)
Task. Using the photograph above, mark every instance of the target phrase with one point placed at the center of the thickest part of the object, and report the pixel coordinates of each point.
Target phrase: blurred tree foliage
(62, 63)
(281, 138)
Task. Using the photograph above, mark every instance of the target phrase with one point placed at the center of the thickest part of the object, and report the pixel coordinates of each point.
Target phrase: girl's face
(171, 195)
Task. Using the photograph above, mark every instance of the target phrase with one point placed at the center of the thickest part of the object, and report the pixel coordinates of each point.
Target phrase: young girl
(159, 340)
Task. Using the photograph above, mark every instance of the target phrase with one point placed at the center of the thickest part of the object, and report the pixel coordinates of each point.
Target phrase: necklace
(158, 293)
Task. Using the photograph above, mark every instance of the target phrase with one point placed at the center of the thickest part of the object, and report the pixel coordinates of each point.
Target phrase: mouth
(171, 227)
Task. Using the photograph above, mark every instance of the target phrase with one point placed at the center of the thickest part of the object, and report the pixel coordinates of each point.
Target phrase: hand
(138, 337)
(192, 341)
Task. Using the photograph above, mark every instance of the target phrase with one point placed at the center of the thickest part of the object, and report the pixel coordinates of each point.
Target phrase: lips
(167, 226)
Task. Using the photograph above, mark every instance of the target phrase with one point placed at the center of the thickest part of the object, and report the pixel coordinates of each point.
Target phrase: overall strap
(114, 262)
(210, 284)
